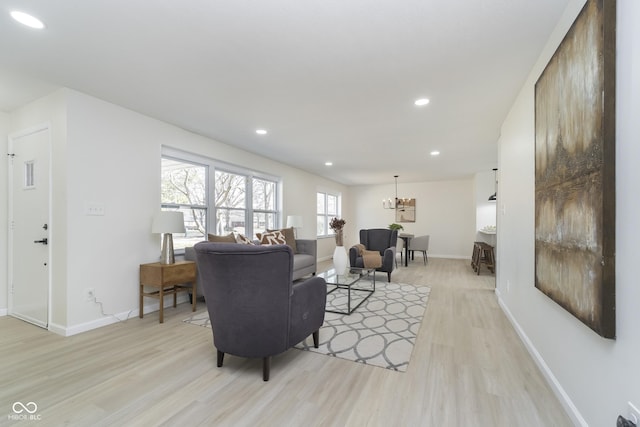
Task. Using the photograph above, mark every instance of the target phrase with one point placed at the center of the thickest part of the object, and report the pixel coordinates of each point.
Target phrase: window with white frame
(265, 213)
(217, 198)
(184, 188)
(245, 203)
(327, 207)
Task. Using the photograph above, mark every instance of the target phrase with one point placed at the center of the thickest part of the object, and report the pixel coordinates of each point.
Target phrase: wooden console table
(169, 279)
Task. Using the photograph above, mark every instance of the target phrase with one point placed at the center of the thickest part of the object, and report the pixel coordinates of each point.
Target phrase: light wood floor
(468, 368)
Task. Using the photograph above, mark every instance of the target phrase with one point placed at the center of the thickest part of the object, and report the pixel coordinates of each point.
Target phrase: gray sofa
(305, 260)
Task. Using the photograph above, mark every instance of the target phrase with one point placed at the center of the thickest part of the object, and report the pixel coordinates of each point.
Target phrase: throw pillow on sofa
(272, 238)
(229, 238)
(242, 239)
(289, 236)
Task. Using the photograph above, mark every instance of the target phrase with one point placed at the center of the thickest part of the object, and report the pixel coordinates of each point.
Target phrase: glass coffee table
(347, 282)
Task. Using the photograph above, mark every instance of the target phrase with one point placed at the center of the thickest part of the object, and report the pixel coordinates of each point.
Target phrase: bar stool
(485, 256)
(475, 257)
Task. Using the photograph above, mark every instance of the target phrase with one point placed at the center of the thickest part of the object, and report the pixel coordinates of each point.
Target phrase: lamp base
(166, 256)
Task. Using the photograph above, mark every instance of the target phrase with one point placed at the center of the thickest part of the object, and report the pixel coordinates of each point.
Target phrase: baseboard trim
(98, 323)
(110, 319)
(430, 255)
(553, 382)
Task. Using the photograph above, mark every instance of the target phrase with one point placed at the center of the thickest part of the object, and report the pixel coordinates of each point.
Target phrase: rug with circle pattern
(381, 332)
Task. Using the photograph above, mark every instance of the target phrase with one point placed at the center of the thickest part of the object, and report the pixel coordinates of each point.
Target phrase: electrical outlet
(634, 413)
(89, 294)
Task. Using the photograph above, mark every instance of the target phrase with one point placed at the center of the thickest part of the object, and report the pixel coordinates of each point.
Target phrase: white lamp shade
(294, 221)
(168, 222)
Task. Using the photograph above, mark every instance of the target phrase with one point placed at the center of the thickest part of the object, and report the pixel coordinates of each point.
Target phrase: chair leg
(389, 277)
(266, 368)
(316, 338)
(220, 358)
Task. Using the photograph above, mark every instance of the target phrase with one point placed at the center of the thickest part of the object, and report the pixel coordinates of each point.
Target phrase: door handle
(43, 241)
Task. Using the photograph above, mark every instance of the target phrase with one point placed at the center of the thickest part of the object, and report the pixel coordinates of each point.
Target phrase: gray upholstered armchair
(377, 239)
(255, 309)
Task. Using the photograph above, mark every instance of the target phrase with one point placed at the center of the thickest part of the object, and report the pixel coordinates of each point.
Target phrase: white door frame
(12, 137)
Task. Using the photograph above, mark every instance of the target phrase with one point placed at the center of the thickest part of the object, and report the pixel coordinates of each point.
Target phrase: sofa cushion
(303, 260)
(229, 238)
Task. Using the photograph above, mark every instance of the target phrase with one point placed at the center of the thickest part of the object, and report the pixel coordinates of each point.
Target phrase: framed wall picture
(406, 210)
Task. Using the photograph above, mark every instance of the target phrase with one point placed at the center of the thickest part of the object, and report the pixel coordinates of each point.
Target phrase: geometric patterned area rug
(381, 332)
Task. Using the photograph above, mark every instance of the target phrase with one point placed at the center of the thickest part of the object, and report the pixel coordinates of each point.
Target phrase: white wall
(445, 210)
(4, 131)
(110, 155)
(595, 376)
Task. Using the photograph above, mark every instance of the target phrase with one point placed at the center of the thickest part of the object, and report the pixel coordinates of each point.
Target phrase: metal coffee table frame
(347, 281)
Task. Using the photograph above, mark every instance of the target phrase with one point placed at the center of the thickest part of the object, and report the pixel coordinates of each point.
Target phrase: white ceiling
(329, 79)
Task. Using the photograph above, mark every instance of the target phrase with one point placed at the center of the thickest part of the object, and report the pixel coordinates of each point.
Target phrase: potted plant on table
(337, 224)
(395, 226)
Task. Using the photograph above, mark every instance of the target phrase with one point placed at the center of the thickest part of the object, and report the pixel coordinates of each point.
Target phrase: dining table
(406, 238)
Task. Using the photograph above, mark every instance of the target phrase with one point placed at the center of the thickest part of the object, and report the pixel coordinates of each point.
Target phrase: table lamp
(167, 222)
(294, 221)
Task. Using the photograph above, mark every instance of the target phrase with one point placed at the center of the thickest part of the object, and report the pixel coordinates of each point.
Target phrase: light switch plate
(94, 209)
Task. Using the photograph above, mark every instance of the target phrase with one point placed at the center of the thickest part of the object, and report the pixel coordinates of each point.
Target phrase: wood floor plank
(468, 367)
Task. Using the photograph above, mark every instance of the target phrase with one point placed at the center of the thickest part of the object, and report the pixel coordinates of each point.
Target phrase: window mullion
(248, 204)
(213, 218)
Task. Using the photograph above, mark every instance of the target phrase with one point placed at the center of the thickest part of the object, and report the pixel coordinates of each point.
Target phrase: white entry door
(29, 225)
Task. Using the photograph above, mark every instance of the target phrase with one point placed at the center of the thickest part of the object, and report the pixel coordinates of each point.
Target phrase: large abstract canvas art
(575, 170)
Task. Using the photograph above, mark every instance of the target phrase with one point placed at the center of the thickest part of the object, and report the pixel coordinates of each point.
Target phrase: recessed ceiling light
(261, 131)
(26, 19)
(435, 153)
(422, 101)
(328, 163)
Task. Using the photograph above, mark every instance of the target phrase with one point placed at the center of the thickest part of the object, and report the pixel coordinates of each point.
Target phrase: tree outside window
(184, 188)
(231, 191)
(234, 213)
(265, 216)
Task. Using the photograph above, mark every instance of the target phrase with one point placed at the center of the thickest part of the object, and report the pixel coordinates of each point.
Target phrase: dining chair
(399, 249)
(420, 244)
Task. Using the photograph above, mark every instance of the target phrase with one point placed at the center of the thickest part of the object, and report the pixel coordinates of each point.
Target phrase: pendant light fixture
(494, 196)
(395, 203)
